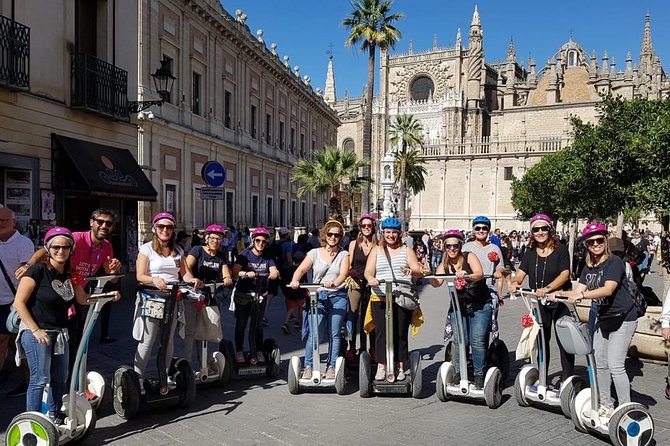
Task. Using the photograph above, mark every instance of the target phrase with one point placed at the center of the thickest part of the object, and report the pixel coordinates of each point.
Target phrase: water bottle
(44, 408)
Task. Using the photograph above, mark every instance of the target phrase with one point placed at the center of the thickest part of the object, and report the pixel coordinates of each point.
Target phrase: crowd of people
(47, 288)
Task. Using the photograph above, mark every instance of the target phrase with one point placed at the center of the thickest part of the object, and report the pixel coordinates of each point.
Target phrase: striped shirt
(383, 271)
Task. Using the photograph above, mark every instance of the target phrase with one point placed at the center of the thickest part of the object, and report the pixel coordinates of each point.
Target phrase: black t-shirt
(207, 267)
(619, 302)
(251, 262)
(541, 271)
(51, 298)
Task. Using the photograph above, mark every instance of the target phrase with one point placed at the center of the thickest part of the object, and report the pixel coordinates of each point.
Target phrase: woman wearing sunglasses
(253, 269)
(474, 300)
(403, 261)
(357, 287)
(206, 263)
(547, 266)
(159, 262)
(330, 267)
(601, 280)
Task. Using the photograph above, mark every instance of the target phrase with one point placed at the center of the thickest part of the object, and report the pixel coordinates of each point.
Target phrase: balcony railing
(497, 146)
(99, 87)
(14, 54)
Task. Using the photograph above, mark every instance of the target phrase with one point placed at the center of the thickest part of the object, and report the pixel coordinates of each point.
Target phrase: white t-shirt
(322, 270)
(167, 268)
(15, 251)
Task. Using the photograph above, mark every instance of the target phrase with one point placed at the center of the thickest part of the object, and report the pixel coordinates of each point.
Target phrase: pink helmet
(260, 232)
(594, 228)
(541, 218)
(367, 217)
(58, 232)
(163, 216)
(454, 233)
(215, 229)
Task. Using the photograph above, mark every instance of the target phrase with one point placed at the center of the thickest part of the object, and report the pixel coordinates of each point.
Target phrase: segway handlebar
(93, 298)
(453, 277)
(406, 282)
(311, 286)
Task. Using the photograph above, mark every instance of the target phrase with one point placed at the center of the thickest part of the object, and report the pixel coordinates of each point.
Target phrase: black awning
(98, 169)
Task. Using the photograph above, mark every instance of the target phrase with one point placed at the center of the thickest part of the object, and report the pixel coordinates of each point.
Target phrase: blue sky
(304, 29)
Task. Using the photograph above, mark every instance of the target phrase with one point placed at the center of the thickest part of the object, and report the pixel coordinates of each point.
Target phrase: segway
(445, 386)
(630, 423)
(389, 386)
(175, 385)
(36, 428)
(531, 385)
(272, 364)
(297, 384)
(214, 368)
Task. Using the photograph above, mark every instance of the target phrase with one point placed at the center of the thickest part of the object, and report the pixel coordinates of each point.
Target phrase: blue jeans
(476, 328)
(45, 367)
(332, 311)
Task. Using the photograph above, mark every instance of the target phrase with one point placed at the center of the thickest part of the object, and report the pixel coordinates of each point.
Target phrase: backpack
(639, 300)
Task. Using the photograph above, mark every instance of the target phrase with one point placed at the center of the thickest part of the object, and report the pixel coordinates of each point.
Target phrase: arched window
(349, 144)
(573, 58)
(421, 89)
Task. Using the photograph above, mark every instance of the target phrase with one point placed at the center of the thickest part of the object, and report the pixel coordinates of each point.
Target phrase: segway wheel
(440, 391)
(631, 425)
(445, 375)
(31, 428)
(493, 389)
(273, 357)
(416, 374)
(185, 380)
(126, 392)
(581, 404)
(447, 352)
(293, 376)
(340, 378)
(497, 356)
(526, 377)
(569, 390)
(85, 413)
(96, 390)
(364, 375)
(226, 347)
(217, 361)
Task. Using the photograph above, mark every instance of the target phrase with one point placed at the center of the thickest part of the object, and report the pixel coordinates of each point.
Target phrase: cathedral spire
(511, 51)
(475, 57)
(646, 38)
(329, 93)
(475, 18)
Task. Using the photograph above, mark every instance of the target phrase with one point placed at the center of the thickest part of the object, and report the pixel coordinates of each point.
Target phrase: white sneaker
(381, 374)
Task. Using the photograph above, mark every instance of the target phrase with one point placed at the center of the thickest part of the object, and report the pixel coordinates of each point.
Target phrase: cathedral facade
(484, 122)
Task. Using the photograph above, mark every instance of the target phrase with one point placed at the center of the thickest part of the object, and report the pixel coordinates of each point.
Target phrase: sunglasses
(452, 246)
(165, 227)
(102, 222)
(261, 240)
(595, 241)
(367, 226)
(480, 228)
(60, 248)
(214, 239)
(333, 235)
(540, 229)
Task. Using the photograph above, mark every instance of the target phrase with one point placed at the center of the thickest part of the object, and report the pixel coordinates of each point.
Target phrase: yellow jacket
(369, 323)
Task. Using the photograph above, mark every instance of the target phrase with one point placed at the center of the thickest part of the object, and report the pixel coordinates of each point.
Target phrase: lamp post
(163, 81)
(346, 181)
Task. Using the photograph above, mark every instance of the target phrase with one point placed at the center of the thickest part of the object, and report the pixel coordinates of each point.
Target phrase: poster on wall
(47, 199)
(18, 194)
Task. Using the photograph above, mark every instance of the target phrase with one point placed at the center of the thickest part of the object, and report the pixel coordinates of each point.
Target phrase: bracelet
(35, 330)
(27, 265)
(583, 295)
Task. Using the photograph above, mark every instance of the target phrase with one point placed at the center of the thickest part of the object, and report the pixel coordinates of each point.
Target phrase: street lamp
(346, 181)
(163, 81)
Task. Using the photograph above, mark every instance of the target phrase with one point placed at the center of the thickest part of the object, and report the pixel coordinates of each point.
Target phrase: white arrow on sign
(213, 174)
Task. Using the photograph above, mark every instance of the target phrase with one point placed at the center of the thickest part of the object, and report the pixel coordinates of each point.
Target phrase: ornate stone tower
(475, 79)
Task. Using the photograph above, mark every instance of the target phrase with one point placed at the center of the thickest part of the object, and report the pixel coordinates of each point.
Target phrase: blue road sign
(214, 173)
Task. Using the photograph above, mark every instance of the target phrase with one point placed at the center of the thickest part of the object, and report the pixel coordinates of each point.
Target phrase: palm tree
(327, 172)
(408, 132)
(370, 24)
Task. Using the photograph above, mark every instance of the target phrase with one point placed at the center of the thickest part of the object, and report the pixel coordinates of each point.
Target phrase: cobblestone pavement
(261, 411)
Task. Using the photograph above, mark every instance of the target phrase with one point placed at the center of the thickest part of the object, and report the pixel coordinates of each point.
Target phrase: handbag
(13, 320)
(611, 322)
(574, 335)
(527, 346)
(405, 295)
(208, 324)
(153, 305)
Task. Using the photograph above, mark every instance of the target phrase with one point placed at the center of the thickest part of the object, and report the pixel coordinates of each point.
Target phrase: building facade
(67, 145)
(487, 122)
(234, 101)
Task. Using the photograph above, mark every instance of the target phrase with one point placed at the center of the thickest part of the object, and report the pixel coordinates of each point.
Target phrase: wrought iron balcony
(99, 87)
(14, 54)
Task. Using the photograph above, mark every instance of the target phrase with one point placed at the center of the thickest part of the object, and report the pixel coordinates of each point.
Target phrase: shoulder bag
(404, 294)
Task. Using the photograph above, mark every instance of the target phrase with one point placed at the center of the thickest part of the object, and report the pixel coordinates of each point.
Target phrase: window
(282, 211)
(292, 212)
(195, 104)
(169, 63)
(508, 174)
(268, 128)
(349, 144)
(281, 134)
(422, 88)
(254, 210)
(303, 213)
(227, 109)
(292, 145)
(269, 214)
(230, 202)
(171, 198)
(573, 58)
(252, 127)
(302, 145)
